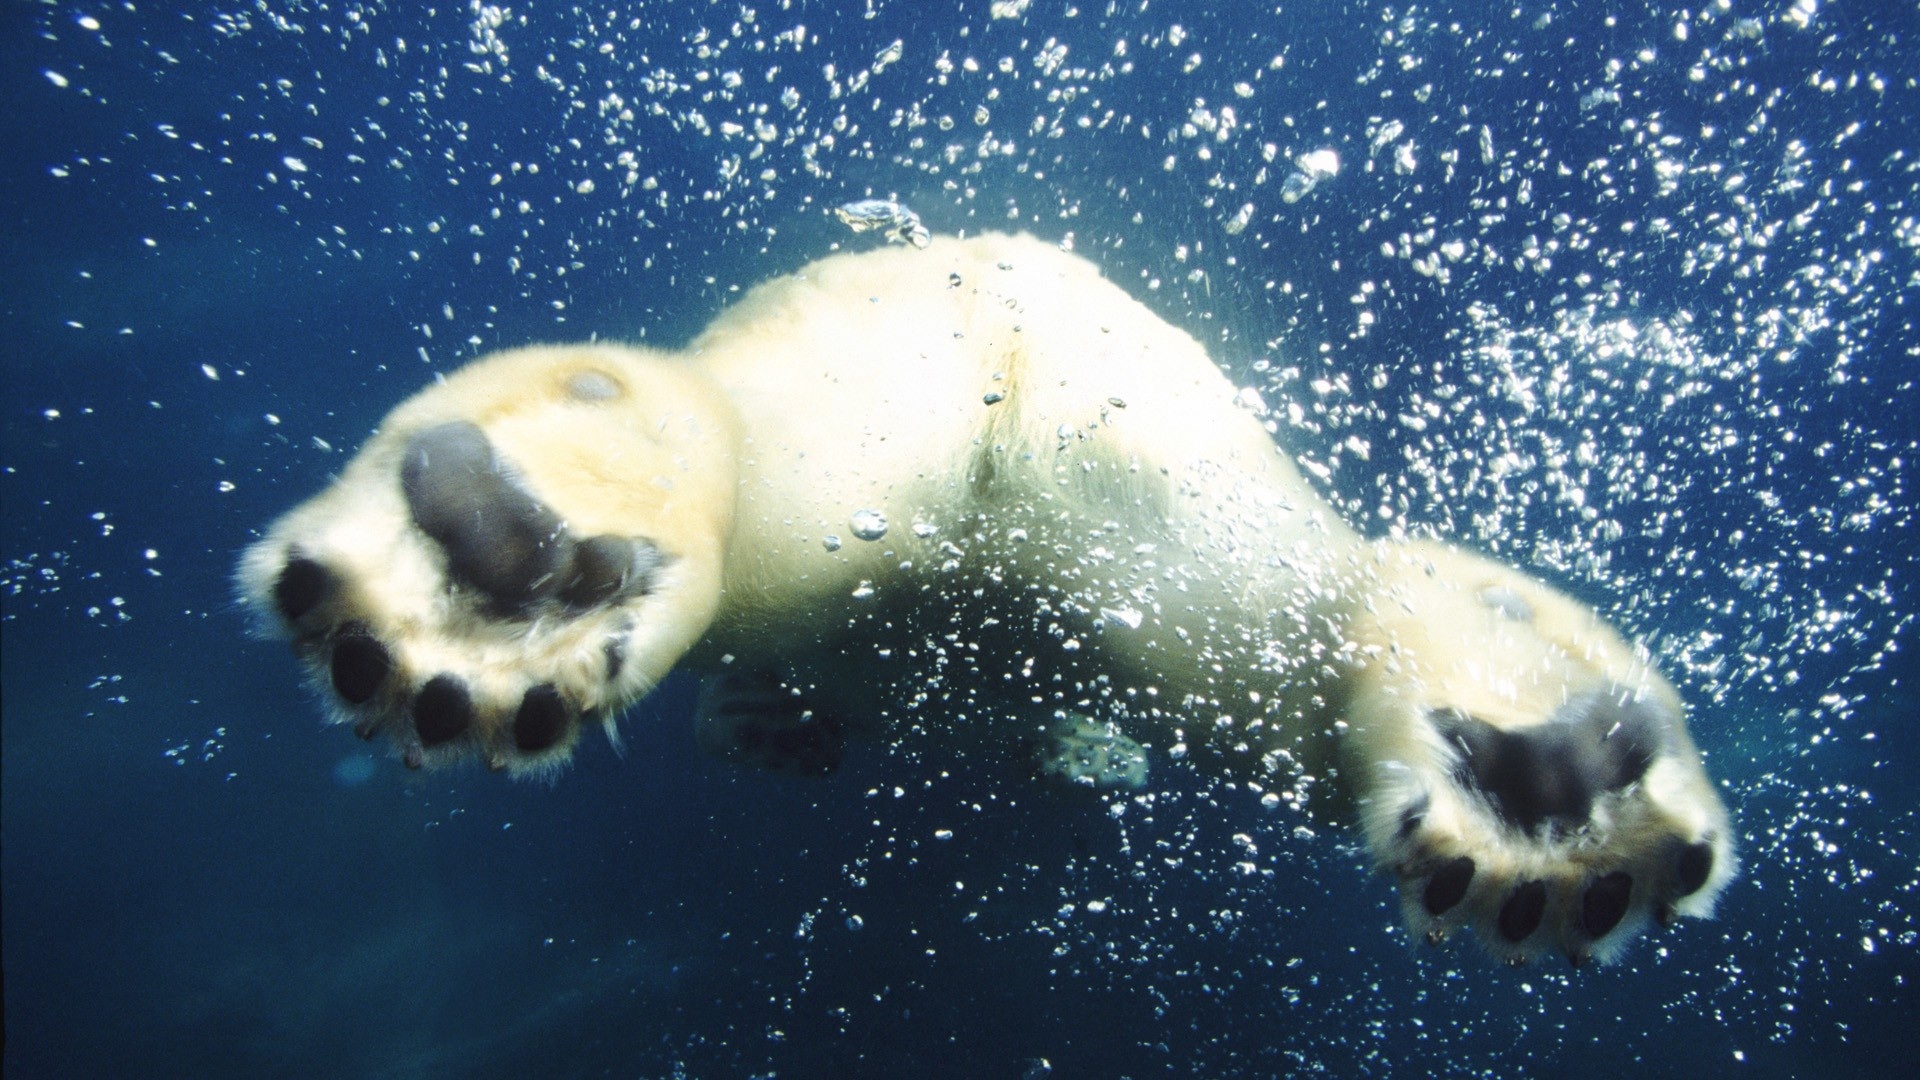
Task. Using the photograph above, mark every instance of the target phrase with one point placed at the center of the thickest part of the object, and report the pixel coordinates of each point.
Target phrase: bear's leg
(1516, 765)
(528, 544)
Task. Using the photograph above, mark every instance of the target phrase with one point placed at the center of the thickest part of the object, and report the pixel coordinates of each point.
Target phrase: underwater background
(1625, 293)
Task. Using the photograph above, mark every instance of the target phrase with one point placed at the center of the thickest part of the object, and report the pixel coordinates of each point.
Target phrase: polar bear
(894, 460)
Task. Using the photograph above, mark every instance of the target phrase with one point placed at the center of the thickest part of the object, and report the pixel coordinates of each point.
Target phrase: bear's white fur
(898, 453)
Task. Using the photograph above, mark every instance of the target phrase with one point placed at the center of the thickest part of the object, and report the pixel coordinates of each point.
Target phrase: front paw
(1571, 835)
(466, 590)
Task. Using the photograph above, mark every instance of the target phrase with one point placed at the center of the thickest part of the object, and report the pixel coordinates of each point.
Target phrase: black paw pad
(542, 719)
(1692, 868)
(301, 586)
(1448, 886)
(606, 568)
(1552, 772)
(1605, 903)
(501, 541)
(360, 664)
(1520, 915)
(498, 539)
(443, 711)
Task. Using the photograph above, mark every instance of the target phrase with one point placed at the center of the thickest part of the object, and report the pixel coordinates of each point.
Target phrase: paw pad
(360, 665)
(499, 540)
(1692, 868)
(1605, 904)
(1551, 774)
(541, 720)
(1520, 916)
(300, 588)
(442, 711)
(1448, 885)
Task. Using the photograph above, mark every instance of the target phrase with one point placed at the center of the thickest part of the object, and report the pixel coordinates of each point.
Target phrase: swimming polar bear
(889, 458)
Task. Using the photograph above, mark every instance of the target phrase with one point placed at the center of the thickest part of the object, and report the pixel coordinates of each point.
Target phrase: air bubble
(868, 524)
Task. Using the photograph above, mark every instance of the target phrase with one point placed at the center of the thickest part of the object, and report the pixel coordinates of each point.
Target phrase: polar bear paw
(1571, 835)
(468, 589)
(512, 570)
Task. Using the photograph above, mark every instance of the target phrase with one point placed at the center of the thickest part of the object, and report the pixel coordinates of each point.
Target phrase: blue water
(1684, 287)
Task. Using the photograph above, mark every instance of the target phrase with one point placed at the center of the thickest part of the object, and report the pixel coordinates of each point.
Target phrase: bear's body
(888, 457)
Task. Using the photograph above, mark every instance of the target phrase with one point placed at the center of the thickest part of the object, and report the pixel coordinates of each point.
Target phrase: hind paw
(1568, 836)
(759, 721)
(497, 567)
(1077, 750)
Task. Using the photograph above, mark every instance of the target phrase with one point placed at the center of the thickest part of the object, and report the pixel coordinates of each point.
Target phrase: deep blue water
(1684, 287)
